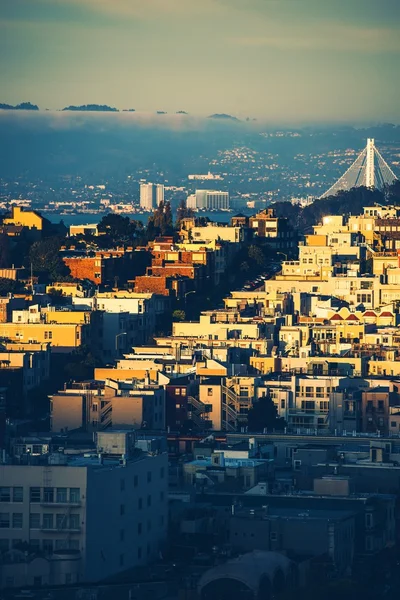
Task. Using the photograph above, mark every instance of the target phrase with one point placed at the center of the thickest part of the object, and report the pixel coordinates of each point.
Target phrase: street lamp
(116, 340)
(283, 254)
(187, 294)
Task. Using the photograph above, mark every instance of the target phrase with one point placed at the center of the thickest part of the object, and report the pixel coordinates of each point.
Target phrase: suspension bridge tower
(369, 170)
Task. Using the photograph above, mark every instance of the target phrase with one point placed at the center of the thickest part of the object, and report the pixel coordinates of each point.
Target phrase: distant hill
(92, 108)
(181, 112)
(161, 112)
(223, 117)
(128, 110)
(22, 106)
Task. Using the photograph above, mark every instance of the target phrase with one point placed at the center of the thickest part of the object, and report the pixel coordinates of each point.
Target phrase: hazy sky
(280, 60)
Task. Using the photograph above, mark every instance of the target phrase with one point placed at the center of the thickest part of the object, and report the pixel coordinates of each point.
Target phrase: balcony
(59, 504)
(61, 529)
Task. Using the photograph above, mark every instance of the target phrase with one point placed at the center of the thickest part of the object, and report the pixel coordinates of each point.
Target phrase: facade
(306, 533)
(98, 405)
(55, 509)
(209, 200)
(151, 195)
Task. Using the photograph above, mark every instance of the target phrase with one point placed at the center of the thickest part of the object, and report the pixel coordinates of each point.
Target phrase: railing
(58, 503)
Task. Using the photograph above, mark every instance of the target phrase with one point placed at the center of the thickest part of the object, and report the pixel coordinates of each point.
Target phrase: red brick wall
(157, 285)
(84, 268)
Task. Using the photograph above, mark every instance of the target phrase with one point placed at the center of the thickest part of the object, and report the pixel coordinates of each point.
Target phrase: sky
(276, 60)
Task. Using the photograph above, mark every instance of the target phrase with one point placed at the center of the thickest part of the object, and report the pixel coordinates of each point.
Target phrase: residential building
(151, 195)
(88, 517)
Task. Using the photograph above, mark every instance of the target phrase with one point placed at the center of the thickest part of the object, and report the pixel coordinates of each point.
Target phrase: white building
(82, 517)
(151, 195)
(208, 200)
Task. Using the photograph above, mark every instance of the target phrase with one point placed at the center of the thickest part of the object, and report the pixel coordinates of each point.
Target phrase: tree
(45, 259)
(160, 222)
(4, 251)
(120, 229)
(263, 414)
(257, 255)
(8, 286)
(183, 212)
(178, 315)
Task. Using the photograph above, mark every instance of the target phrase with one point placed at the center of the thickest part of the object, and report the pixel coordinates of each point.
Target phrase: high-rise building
(209, 200)
(151, 195)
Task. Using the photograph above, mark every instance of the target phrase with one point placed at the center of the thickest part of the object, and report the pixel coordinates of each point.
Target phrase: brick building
(107, 267)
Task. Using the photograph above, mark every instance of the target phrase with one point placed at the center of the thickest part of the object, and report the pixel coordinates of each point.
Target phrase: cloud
(338, 37)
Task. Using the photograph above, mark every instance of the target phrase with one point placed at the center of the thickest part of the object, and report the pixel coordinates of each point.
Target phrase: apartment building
(277, 230)
(87, 517)
(98, 405)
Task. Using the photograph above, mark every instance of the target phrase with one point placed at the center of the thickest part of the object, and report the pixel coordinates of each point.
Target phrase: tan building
(96, 406)
(63, 337)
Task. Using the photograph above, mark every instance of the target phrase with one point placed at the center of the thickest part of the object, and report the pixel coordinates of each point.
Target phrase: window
(149, 525)
(34, 520)
(140, 503)
(74, 495)
(122, 509)
(135, 481)
(4, 545)
(393, 424)
(122, 485)
(47, 546)
(177, 392)
(17, 521)
(148, 476)
(161, 496)
(162, 472)
(139, 528)
(74, 544)
(5, 495)
(95, 407)
(74, 521)
(121, 535)
(368, 520)
(4, 520)
(48, 495)
(35, 494)
(48, 521)
(62, 495)
(18, 494)
(209, 391)
(61, 521)
(149, 500)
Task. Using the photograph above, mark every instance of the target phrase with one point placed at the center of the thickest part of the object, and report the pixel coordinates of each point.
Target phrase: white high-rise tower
(151, 194)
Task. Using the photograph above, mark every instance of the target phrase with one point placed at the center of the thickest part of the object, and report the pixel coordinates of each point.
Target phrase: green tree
(183, 212)
(4, 251)
(178, 315)
(9, 286)
(263, 414)
(45, 259)
(257, 256)
(120, 229)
